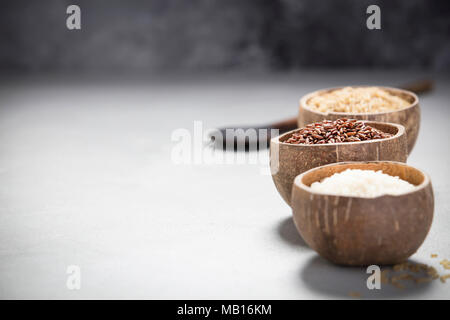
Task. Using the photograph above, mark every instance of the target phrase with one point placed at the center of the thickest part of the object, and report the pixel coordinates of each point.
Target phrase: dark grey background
(216, 35)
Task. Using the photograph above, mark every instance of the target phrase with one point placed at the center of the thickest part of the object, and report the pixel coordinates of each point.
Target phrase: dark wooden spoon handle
(419, 87)
(285, 125)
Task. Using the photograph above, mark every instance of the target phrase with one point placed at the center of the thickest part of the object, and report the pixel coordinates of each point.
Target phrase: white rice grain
(362, 183)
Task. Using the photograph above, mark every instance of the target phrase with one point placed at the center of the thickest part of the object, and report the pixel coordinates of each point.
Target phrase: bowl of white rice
(363, 213)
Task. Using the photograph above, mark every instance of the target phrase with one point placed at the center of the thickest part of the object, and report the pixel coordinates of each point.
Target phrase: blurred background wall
(157, 36)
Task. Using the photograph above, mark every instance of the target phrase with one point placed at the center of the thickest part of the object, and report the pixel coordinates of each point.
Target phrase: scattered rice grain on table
(354, 294)
(445, 263)
(416, 272)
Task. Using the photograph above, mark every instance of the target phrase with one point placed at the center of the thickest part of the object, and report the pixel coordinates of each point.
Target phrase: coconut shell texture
(408, 117)
(289, 160)
(362, 231)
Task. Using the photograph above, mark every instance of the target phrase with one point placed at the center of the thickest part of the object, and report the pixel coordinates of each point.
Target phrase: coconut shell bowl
(360, 231)
(409, 117)
(289, 160)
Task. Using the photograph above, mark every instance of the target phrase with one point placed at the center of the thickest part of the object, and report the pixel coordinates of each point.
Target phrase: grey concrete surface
(87, 178)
